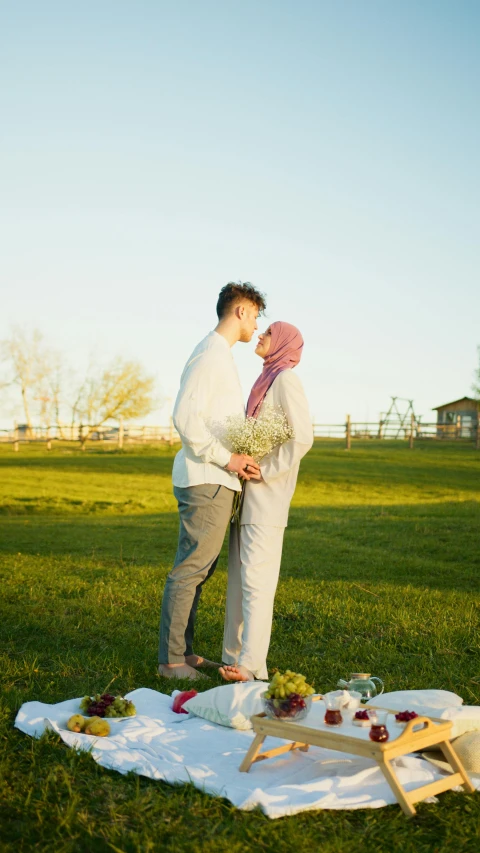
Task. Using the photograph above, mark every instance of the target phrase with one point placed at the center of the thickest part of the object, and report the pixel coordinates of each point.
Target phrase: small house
(458, 419)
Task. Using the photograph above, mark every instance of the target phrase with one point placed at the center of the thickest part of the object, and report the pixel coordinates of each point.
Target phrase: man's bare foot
(179, 670)
(197, 660)
(236, 673)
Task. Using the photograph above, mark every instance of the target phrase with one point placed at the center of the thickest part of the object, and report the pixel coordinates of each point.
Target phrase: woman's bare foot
(179, 670)
(236, 673)
(197, 660)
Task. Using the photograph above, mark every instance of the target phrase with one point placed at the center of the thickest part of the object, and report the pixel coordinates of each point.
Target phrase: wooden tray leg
(454, 761)
(397, 789)
(252, 753)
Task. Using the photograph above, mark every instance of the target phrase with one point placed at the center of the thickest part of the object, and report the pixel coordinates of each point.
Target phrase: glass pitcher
(363, 683)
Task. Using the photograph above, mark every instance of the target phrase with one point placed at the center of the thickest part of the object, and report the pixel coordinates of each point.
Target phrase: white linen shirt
(209, 393)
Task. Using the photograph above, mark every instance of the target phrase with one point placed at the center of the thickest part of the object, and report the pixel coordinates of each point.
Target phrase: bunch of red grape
(288, 707)
(405, 716)
(361, 715)
(287, 695)
(107, 705)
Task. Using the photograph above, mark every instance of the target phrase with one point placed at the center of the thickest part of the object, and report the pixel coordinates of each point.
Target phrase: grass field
(380, 572)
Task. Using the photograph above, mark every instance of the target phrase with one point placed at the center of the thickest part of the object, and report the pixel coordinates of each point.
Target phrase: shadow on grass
(392, 464)
(81, 596)
(150, 538)
(369, 464)
(103, 462)
(426, 545)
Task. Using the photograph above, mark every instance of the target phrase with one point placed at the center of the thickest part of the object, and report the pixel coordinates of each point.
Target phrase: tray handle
(412, 724)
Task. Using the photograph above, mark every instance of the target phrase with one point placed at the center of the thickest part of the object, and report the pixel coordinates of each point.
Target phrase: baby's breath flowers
(256, 437)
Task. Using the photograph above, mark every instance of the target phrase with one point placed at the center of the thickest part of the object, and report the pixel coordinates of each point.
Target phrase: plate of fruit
(288, 697)
(107, 705)
(404, 717)
(361, 718)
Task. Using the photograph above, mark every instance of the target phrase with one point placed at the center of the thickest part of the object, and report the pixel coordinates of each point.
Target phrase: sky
(326, 151)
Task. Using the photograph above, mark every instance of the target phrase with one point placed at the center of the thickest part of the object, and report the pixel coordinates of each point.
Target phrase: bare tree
(74, 397)
(122, 390)
(476, 384)
(56, 389)
(51, 395)
(29, 363)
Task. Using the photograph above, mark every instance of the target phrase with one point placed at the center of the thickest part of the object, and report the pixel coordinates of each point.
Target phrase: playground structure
(396, 423)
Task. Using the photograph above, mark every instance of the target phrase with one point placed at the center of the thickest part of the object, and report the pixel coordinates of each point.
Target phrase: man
(205, 473)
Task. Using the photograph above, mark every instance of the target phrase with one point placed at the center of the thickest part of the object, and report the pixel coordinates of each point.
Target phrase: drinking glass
(333, 702)
(378, 729)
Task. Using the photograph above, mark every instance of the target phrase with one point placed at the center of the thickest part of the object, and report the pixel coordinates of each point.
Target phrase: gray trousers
(204, 515)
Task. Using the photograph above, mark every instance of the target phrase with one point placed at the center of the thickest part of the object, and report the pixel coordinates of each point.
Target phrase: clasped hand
(244, 466)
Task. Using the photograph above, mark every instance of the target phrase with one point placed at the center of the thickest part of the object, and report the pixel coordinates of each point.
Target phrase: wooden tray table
(434, 732)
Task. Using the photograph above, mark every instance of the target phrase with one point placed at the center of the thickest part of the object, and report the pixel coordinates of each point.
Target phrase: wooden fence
(347, 432)
(118, 435)
(413, 431)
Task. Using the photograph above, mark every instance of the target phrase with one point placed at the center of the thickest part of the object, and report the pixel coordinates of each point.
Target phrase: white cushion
(229, 705)
(464, 719)
(433, 703)
(430, 703)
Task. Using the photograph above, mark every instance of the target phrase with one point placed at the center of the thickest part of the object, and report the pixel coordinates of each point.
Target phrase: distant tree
(476, 384)
(120, 390)
(28, 362)
(56, 381)
(50, 392)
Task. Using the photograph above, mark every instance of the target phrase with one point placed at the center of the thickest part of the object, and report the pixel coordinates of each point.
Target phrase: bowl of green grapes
(288, 697)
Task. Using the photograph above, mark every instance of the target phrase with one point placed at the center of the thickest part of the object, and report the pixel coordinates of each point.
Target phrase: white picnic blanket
(177, 748)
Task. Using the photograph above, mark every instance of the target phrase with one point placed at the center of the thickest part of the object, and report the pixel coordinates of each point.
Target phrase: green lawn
(380, 573)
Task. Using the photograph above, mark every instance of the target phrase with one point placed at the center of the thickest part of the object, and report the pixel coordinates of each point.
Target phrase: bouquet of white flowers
(256, 437)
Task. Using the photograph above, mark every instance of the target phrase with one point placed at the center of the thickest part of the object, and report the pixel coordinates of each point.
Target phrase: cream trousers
(255, 553)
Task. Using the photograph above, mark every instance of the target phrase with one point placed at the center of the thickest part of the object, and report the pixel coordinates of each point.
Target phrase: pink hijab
(285, 351)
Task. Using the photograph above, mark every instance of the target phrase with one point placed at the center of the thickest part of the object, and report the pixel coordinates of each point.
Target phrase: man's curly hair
(235, 292)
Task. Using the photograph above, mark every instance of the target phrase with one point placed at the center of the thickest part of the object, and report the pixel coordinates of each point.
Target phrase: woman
(256, 547)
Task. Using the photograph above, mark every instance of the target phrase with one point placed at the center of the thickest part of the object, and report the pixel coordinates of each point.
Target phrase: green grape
(85, 703)
(284, 684)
